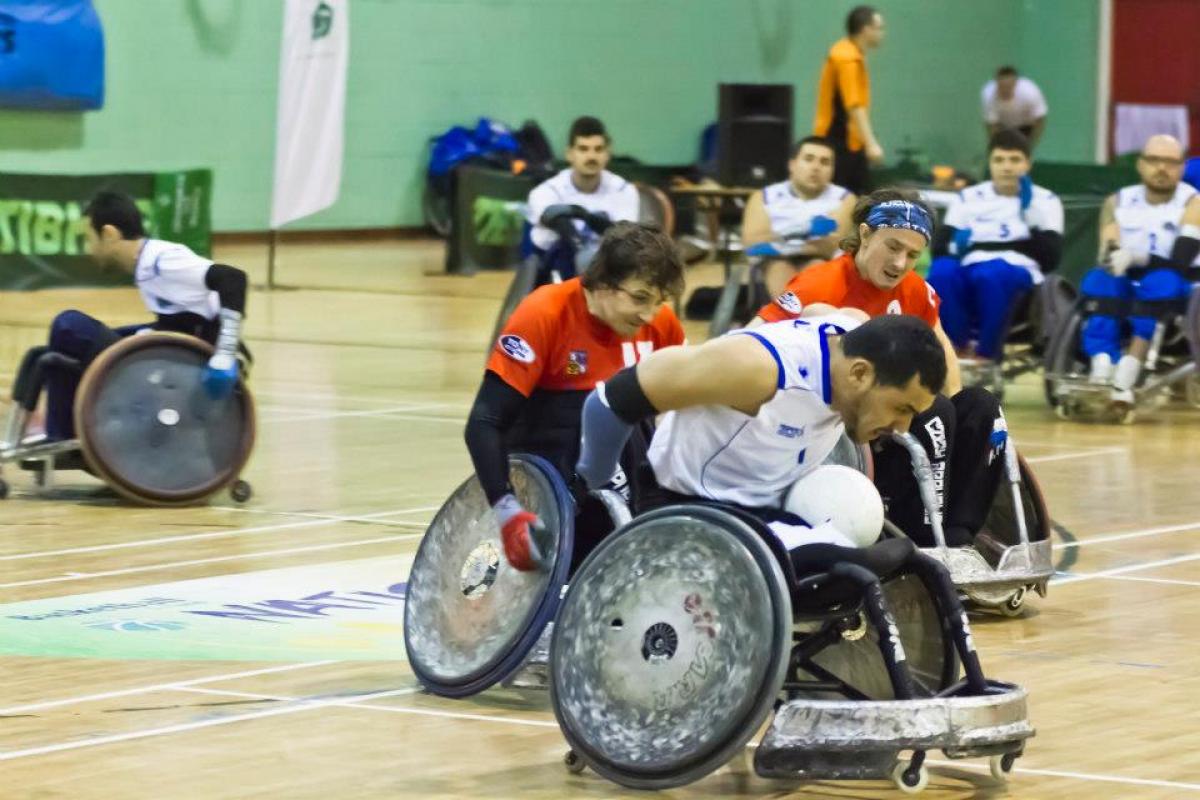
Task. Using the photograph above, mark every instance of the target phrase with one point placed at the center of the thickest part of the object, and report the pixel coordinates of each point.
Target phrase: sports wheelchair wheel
(149, 429)
(670, 647)
(470, 619)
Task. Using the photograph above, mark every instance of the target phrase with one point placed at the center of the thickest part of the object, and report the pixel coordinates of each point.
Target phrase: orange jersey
(838, 283)
(552, 342)
(844, 85)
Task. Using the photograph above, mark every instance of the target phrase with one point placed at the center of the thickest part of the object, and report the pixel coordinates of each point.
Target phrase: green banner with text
(41, 222)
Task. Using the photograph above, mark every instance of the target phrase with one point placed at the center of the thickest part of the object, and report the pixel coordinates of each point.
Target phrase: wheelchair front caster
(1015, 602)
(573, 763)
(1001, 766)
(240, 491)
(910, 779)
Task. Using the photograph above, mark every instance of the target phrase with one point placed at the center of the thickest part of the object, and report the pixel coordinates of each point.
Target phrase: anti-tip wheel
(1001, 766)
(240, 491)
(909, 780)
(573, 762)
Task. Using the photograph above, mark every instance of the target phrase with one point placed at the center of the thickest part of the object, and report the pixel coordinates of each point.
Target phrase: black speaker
(754, 133)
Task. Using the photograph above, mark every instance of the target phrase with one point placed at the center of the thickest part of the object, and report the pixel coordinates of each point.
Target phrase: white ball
(839, 496)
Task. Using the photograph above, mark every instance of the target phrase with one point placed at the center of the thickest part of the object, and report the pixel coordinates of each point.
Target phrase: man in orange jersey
(960, 432)
(844, 100)
(558, 344)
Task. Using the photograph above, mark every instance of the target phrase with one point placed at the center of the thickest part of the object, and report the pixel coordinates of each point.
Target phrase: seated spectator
(997, 239)
(570, 212)
(804, 217)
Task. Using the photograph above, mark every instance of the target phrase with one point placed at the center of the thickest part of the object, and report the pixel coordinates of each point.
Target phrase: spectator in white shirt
(1013, 101)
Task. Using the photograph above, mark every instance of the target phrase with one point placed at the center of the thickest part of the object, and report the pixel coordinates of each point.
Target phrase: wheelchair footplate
(1002, 587)
(862, 739)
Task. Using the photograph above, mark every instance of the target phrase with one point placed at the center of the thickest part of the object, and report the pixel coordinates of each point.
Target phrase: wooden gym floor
(213, 652)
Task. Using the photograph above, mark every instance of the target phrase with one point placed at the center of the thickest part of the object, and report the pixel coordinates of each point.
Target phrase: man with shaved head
(1149, 242)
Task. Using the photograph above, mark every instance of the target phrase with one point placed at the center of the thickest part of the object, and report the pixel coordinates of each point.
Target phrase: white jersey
(1026, 107)
(171, 279)
(790, 211)
(1150, 227)
(719, 453)
(615, 196)
(995, 217)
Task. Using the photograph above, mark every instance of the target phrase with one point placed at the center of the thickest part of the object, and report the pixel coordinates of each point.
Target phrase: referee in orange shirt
(844, 100)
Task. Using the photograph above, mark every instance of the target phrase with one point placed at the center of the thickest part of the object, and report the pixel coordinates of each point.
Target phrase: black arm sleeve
(1044, 247)
(230, 285)
(942, 238)
(495, 410)
(1184, 252)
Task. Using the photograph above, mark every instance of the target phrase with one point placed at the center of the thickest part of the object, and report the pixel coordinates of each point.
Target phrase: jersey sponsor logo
(789, 302)
(577, 361)
(790, 432)
(517, 349)
(894, 307)
(937, 436)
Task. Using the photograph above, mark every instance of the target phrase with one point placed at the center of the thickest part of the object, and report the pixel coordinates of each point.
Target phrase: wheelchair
(654, 208)
(472, 622)
(685, 628)
(738, 304)
(145, 425)
(1170, 367)
(1033, 319)
(1018, 556)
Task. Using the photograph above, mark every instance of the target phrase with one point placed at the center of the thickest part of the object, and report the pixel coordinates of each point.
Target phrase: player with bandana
(875, 275)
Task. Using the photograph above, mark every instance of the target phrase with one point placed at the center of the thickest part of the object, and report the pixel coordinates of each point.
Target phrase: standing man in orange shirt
(844, 100)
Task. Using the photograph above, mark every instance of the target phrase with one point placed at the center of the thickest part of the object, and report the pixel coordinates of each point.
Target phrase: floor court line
(189, 726)
(363, 703)
(1109, 573)
(1138, 534)
(214, 560)
(1076, 454)
(191, 537)
(157, 687)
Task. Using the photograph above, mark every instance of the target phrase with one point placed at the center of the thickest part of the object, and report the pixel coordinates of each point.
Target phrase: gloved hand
(821, 226)
(1122, 258)
(962, 241)
(560, 211)
(1025, 192)
(526, 541)
(598, 221)
(221, 373)
(763, 250)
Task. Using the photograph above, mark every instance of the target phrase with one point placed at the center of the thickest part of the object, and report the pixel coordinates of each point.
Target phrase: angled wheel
(670, 647)
(469, 618)
(149, 429)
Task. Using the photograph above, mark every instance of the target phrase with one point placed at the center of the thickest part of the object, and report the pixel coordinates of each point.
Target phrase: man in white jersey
(1149, 238)
(802, 218)
(187, 294)
(570, 211)
(747, 414)
(997, 239)
(1014, 101)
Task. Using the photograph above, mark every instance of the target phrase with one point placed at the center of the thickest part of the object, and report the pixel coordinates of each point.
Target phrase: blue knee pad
(1101, 333)
(1157, 285)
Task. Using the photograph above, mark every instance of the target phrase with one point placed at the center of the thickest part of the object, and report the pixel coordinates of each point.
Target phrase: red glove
(526, 540)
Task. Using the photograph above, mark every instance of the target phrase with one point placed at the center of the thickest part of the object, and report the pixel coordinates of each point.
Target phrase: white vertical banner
(309, 125)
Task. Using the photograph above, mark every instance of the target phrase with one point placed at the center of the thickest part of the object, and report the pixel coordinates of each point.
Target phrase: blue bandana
(901, 214)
